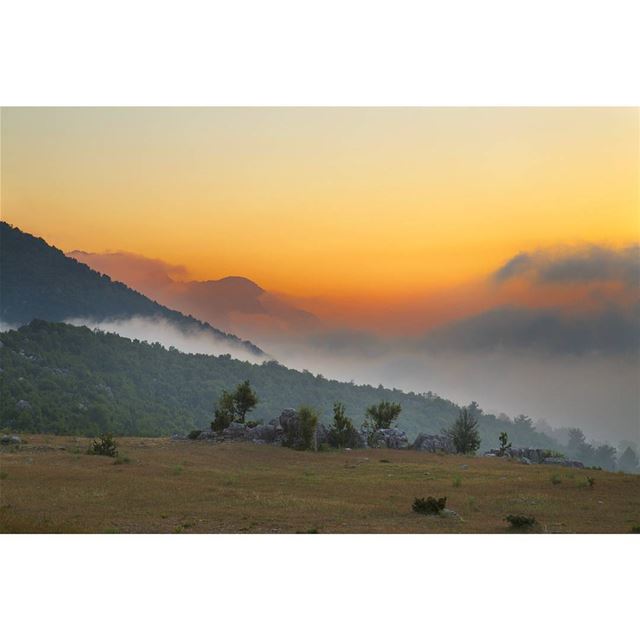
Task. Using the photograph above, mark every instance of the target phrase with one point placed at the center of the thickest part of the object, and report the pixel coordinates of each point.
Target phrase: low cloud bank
(587, 264)
(168, 335)
(612, 330)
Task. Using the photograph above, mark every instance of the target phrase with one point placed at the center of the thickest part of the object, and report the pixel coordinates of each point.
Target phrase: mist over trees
(58, 378)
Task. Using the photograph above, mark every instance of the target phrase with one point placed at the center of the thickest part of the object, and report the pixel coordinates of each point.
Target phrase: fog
(596, 392)
(168, 335)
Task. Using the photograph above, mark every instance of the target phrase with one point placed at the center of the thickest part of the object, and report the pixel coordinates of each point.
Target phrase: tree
(605, 457)
(464, 432)
(300, 433)
(244, 399)
(523, 422)
(224, 413)
(628, 461)
(382, 415)
(576, 440)
(342, 432)
(233, 407)
(504, 445)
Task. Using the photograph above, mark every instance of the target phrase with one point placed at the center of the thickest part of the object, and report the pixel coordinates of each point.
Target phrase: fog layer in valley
(168, 335)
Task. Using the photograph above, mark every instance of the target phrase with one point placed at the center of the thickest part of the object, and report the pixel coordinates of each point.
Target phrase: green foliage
(457, 481)
(383, 414)
(635, 528)
(342, 433)
(224, 412)
(121, 460)
(504, 443)
(104, 446)
(591, 482)
(300, 433)
(233, 407)
(600, 456)
(628, 461)
(39, 281)
(430, 505)
(308, 419)
(555, 479)
(520, 521)
(464, 432)
(143, 389)
(244, 400)
(194, 433)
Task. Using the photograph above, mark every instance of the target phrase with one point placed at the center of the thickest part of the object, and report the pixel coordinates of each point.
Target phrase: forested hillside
(39, 281)
(57, 378)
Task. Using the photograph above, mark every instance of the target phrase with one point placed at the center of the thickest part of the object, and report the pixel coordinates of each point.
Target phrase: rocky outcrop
(533, 456)
(10, 440)
(389, 439)
(433, 443)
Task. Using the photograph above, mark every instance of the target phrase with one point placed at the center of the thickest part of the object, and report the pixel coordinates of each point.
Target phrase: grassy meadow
(49, 484)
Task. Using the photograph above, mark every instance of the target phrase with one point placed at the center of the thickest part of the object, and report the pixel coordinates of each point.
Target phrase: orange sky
(345, 204)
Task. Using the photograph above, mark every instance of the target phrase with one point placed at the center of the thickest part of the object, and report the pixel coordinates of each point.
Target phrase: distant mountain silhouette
(233, 303)
(39, 281)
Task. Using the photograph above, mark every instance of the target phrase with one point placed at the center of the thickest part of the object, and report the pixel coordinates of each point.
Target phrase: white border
(319, 53)
(329, 52)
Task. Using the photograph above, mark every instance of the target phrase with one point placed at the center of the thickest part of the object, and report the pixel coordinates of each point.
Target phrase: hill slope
(39, 281)
(233, 303)
(58, 378)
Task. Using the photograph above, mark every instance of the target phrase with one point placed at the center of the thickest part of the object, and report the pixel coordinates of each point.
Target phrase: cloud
(136, 270)
(585, 265)
(609, 330)
(168, 335)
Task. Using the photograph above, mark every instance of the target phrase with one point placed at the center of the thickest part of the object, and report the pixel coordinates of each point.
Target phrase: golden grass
(180, 487)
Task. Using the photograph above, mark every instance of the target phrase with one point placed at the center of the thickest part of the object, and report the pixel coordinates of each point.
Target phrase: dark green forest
(58, 378)
(39, 281)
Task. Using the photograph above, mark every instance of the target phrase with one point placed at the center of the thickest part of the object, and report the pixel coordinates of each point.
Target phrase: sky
(488, 254)
(366, 205)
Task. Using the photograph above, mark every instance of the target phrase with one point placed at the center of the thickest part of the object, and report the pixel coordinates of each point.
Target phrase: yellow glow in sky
(370, 203)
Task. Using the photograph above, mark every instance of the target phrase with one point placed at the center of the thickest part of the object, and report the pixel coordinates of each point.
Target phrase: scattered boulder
(9, 440)
(564, 462)
(265, 433)
(208, 435)
(235, 431)
(389, 438)
(532, 456)
(433, 443)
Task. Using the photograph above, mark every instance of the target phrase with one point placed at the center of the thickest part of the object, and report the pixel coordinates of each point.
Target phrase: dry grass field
(50, 485)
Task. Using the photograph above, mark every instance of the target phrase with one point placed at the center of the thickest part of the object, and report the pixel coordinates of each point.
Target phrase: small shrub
(457, 481)
(104, 446)
(385, 461)
(472, 503)
(555, 479)
(520, 521)
(504, 443)
(121, 460)
(3, 475)
(176, 470)
(591, 482)
(635, 528)
(193, 435)
(430, 505)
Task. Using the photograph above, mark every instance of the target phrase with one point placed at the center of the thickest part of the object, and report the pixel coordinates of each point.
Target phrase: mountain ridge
(37, 280)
